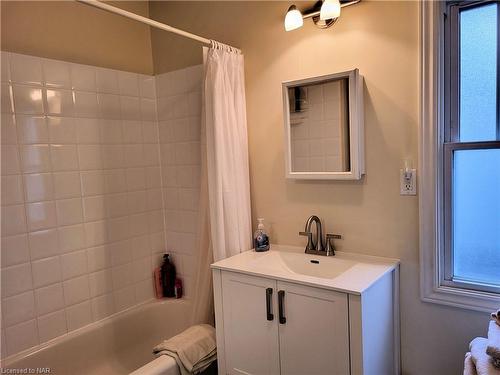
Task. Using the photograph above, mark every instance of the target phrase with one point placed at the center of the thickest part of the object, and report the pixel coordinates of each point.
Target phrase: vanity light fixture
(293, 19)
(324, 14)
(329, 10)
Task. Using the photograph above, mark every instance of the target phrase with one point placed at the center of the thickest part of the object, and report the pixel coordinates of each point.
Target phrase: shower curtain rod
(148, 21)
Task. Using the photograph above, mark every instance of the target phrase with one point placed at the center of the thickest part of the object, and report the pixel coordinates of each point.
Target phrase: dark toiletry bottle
(260, 238)
(178, 288)
(168, 277)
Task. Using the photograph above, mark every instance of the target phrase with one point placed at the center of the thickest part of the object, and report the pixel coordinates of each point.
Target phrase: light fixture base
(324, 24)
(315, 15)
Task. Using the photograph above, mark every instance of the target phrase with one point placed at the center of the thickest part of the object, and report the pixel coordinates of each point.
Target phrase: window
(471, 149)
(460, 154)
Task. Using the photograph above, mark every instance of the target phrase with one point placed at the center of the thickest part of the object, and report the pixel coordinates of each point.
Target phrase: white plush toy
(496, 317)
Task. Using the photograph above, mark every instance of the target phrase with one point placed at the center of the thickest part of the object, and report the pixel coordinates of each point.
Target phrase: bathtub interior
(118, 345)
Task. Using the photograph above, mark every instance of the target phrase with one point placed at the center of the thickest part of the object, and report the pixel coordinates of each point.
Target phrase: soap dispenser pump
(260, 238)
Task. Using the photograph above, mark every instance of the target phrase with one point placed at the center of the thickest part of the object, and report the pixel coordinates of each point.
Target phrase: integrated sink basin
(347, 272)
(305, 264)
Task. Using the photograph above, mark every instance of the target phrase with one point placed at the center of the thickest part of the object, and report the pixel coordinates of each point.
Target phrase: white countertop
(346, 272)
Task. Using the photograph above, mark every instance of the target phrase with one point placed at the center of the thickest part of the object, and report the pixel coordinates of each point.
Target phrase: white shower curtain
(227, 152)
(225, 218)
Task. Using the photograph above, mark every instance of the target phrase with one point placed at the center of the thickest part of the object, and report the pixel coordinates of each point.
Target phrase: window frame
(437, 142)
(452, 141)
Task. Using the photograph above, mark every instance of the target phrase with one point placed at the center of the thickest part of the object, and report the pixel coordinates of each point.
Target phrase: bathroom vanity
(286, 312)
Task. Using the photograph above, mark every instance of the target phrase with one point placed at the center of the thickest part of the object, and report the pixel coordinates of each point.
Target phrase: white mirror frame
(356, 128)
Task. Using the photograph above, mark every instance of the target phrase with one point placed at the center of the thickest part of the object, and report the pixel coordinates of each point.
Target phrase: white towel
(493, 348)
(193, 350)
(469, 367)
(482, 361)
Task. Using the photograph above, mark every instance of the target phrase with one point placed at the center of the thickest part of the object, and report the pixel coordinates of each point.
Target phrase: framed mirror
(323, 118)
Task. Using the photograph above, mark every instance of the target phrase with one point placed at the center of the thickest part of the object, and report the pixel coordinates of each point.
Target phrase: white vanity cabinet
(270, 323)
(260, 344)
(314, 339)
(251, 340)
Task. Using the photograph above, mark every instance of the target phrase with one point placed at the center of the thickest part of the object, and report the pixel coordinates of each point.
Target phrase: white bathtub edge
(163, 365)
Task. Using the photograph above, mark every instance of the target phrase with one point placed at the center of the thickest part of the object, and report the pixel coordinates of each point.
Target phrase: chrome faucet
(318, 247)
(313, 245)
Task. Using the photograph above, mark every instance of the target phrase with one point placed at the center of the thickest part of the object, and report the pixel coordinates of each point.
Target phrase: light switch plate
(408, 181)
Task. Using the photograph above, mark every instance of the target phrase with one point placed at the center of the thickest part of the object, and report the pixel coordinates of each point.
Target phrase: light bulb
(293, 19)
(330, 9)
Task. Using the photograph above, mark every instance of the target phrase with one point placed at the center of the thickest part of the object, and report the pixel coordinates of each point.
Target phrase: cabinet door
(250, 333)
(313, 331)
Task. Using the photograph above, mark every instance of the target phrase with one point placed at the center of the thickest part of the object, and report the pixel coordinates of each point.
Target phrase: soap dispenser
(260, 238)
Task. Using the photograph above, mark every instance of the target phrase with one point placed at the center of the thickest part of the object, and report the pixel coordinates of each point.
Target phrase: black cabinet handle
(269, 309)
(281, 298)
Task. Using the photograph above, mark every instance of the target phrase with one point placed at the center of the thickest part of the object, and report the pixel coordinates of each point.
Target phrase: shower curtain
(225, 218)
(227, 152)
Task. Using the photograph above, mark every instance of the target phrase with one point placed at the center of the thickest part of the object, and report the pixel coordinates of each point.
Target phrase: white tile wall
(82, 215)
(179, 109)
(87, 192)
(316, 132)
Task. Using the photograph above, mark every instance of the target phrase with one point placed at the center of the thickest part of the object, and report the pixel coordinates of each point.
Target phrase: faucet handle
(330, 247)
(310, 243)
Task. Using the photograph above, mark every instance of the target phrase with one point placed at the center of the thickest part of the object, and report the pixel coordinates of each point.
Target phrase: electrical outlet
(408, 181)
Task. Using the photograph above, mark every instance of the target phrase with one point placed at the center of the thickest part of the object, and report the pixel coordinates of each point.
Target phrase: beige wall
(381, 39)
(70, 31)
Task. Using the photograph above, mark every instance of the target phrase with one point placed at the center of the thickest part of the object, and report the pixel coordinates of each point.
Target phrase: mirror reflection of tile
(319, 121)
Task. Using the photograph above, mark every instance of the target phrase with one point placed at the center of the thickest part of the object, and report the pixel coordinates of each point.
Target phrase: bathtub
(119, 344)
